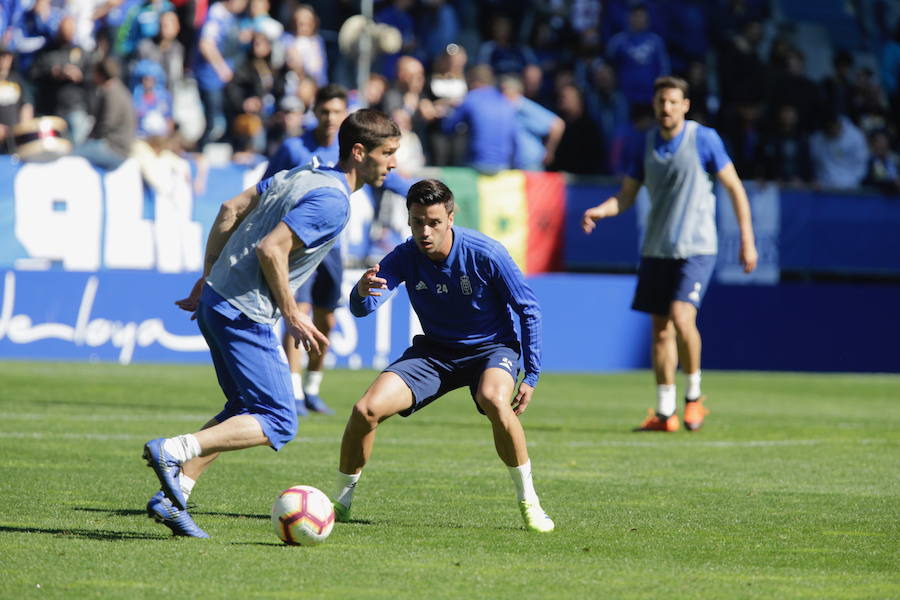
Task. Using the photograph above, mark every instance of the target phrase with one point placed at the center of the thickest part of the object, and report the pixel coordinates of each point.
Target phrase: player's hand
(523, 397)
(749, 257)
(370, 283)
(191, 303)
(590, 218)
(301, 328)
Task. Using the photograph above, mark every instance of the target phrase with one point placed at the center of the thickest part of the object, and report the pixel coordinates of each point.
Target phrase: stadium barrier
(93, 261)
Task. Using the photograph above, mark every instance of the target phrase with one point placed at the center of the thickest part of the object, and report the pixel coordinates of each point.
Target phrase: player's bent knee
(492, 405)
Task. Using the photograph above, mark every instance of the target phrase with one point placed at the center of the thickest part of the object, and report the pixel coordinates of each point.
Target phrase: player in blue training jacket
(321, 293)
(263, 244)
(462, 285)
(678, 254)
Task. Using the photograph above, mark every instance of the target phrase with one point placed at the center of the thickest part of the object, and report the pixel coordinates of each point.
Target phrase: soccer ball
(302, 516)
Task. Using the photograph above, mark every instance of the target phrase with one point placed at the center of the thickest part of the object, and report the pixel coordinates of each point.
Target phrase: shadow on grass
(88, 534)
(129, 512)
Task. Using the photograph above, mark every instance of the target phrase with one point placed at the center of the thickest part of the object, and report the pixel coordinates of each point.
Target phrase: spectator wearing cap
(491, 122)
(150, 95)
(287, 122)
(15, 103)
(839, 153)
(639, 56)
(110, 141)
(538, 130)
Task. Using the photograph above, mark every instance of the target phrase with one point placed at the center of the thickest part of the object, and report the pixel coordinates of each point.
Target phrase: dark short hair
(670, 82)
(367, 126)
(428, 192)
(330, 92)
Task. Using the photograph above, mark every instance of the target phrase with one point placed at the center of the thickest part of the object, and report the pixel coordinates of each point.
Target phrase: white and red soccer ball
(302, 516)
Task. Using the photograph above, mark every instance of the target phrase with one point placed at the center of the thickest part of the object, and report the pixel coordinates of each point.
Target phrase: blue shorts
(431, 370)
(662, 281)
(323, 288)
(251, 368)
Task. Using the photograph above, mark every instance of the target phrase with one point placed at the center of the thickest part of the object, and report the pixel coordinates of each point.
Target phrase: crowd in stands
(561, 85)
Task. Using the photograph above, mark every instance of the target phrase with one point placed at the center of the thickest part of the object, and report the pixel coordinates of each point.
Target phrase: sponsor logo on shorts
(421, 286)
(694, 296)
(506, 364)
(466, 285)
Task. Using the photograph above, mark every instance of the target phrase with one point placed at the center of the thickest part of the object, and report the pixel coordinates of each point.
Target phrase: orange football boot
(654, 422)
(694, 412)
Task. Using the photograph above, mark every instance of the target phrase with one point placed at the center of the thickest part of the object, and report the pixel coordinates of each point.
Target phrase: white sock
(183, 447)
(297, 384)
(312, 382)
(521, 477)
(345, 486)
(187, 485)
(693, 386)
(665, 400)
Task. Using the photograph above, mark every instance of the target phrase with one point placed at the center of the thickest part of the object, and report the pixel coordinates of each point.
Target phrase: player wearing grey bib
(679, 249)
(263, 244)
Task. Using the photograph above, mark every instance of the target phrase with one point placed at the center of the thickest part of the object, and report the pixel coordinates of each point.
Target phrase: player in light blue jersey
(462, 285)
(263, 244)
(321, 293)
(679, 249)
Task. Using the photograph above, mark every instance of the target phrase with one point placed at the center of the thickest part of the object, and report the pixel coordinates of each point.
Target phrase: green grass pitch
(792, 490)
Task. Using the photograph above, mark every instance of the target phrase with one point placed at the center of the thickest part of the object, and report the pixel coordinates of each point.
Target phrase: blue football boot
(316, 404)
(161, 509)
(300, 406)
(166, 468)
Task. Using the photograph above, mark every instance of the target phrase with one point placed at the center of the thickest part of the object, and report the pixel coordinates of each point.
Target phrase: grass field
(791, 491)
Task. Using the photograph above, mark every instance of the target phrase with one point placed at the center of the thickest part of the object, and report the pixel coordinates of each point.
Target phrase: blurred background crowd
(805, 94)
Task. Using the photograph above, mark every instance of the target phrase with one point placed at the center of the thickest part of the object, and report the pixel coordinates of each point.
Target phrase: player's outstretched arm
(728, 176)
(370, 284)
(612, 206)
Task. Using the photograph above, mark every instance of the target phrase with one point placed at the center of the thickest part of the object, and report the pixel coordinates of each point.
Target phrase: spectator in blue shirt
(538, 130)
(464, 288)
(491, 121)
(639, 56)
(501, 52)
(437, 26)
(36, 30)
(219, 47)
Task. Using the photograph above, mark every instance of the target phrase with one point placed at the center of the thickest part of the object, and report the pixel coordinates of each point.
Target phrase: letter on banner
(179, 241)
(129, 237)
(59, 212)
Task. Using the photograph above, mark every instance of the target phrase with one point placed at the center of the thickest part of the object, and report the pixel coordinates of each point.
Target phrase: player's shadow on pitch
(88, 534)
(262, 517)
(124, 512)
